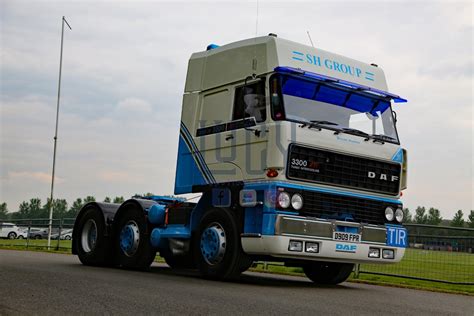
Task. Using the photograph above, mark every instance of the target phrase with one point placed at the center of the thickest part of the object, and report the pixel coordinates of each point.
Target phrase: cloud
(115, 176)
(33, 176)
(134, 105)
(124, 68)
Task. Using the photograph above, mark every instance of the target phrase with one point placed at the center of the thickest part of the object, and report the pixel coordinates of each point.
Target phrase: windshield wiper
(354, 131)
(323, 122)
(320, 124)
(379, 137)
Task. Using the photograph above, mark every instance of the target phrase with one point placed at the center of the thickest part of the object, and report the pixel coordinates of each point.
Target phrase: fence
(33, 233)
(435, 253)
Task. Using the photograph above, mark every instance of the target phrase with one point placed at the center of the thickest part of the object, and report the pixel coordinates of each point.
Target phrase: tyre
(93, 248)
(132, 244)
(20, 237)
(68, 237)
(328, 272)
(217, 248)
(12, 235)
(185, 261)
(37, 237)
(245, 265)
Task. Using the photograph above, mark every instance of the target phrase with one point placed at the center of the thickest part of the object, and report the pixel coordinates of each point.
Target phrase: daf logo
(381, 176)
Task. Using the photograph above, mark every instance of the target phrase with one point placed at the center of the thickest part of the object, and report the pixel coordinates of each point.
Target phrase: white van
(9, 230)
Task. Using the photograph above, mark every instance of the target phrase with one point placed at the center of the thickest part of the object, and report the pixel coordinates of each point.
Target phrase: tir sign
(382, 176)
(397, 236)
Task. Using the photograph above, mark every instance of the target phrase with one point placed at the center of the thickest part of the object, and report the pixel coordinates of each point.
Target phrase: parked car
(22, 233)
(38, 233)
(66, 234)
(9, 230)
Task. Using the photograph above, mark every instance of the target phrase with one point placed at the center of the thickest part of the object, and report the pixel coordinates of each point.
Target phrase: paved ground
(46, 284)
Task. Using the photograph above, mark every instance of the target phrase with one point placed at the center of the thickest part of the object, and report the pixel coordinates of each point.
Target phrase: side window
(250, 102)
(215, 108)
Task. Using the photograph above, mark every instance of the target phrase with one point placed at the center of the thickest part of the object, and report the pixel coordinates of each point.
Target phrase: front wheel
(20, 237)
(328, 272)
(217, 249)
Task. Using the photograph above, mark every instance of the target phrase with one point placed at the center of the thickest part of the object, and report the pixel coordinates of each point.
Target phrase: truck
(296, 155)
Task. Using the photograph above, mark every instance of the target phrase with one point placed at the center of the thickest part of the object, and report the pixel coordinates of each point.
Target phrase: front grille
(341, 207)
(315, 165)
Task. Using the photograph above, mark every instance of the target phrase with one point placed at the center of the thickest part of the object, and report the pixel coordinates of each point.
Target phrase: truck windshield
(331, 106)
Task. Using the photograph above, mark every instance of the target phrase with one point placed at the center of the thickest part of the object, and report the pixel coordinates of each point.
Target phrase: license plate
(341, 236)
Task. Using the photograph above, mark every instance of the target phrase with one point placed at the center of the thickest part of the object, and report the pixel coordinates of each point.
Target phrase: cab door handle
(229, 137)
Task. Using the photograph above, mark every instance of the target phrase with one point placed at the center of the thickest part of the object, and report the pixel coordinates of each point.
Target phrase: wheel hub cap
(130, 238)
(213, 243)
(89, 236)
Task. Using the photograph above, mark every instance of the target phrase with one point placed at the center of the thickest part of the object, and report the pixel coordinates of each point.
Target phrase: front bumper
(296, 228)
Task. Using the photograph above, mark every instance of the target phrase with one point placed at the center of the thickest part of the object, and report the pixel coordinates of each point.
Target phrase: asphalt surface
(51, 284)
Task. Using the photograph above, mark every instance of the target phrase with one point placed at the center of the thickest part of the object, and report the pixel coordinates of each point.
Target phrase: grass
(379, 280)
(427, 264)
(440, 265)
(36, 244)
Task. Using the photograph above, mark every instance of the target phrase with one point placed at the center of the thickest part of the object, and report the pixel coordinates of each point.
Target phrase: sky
(124, 68)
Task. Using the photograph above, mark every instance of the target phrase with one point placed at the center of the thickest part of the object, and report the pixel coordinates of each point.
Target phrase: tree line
(35, 209)
(433, 217)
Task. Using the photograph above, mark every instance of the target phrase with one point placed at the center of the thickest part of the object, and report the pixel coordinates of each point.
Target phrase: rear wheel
(217, 249)
(92, 245)
(132, 243)
(328, 272)
(12, 235)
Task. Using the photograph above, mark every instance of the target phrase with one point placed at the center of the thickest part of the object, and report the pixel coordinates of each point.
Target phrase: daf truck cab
(297, 156)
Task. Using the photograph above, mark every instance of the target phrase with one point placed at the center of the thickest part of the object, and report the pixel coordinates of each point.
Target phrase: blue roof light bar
(342, 83)
(212, 46)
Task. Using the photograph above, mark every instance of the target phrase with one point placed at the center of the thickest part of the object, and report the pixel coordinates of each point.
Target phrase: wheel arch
(143, 205)
(107, 210)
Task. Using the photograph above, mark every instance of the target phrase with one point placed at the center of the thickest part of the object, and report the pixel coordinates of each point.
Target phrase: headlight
(297, 201)
(389, 214)
(284, 200)
(399, 215)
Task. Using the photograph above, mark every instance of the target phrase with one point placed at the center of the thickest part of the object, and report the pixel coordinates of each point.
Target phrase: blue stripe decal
(263, 185)
(298, 56)
(398, 156)
(189, 139)
(286, 212)
(200, 159)
(199, 156)
(194, 158)
(188, 172)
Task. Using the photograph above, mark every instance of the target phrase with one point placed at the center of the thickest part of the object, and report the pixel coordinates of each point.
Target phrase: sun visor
(342, 83)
